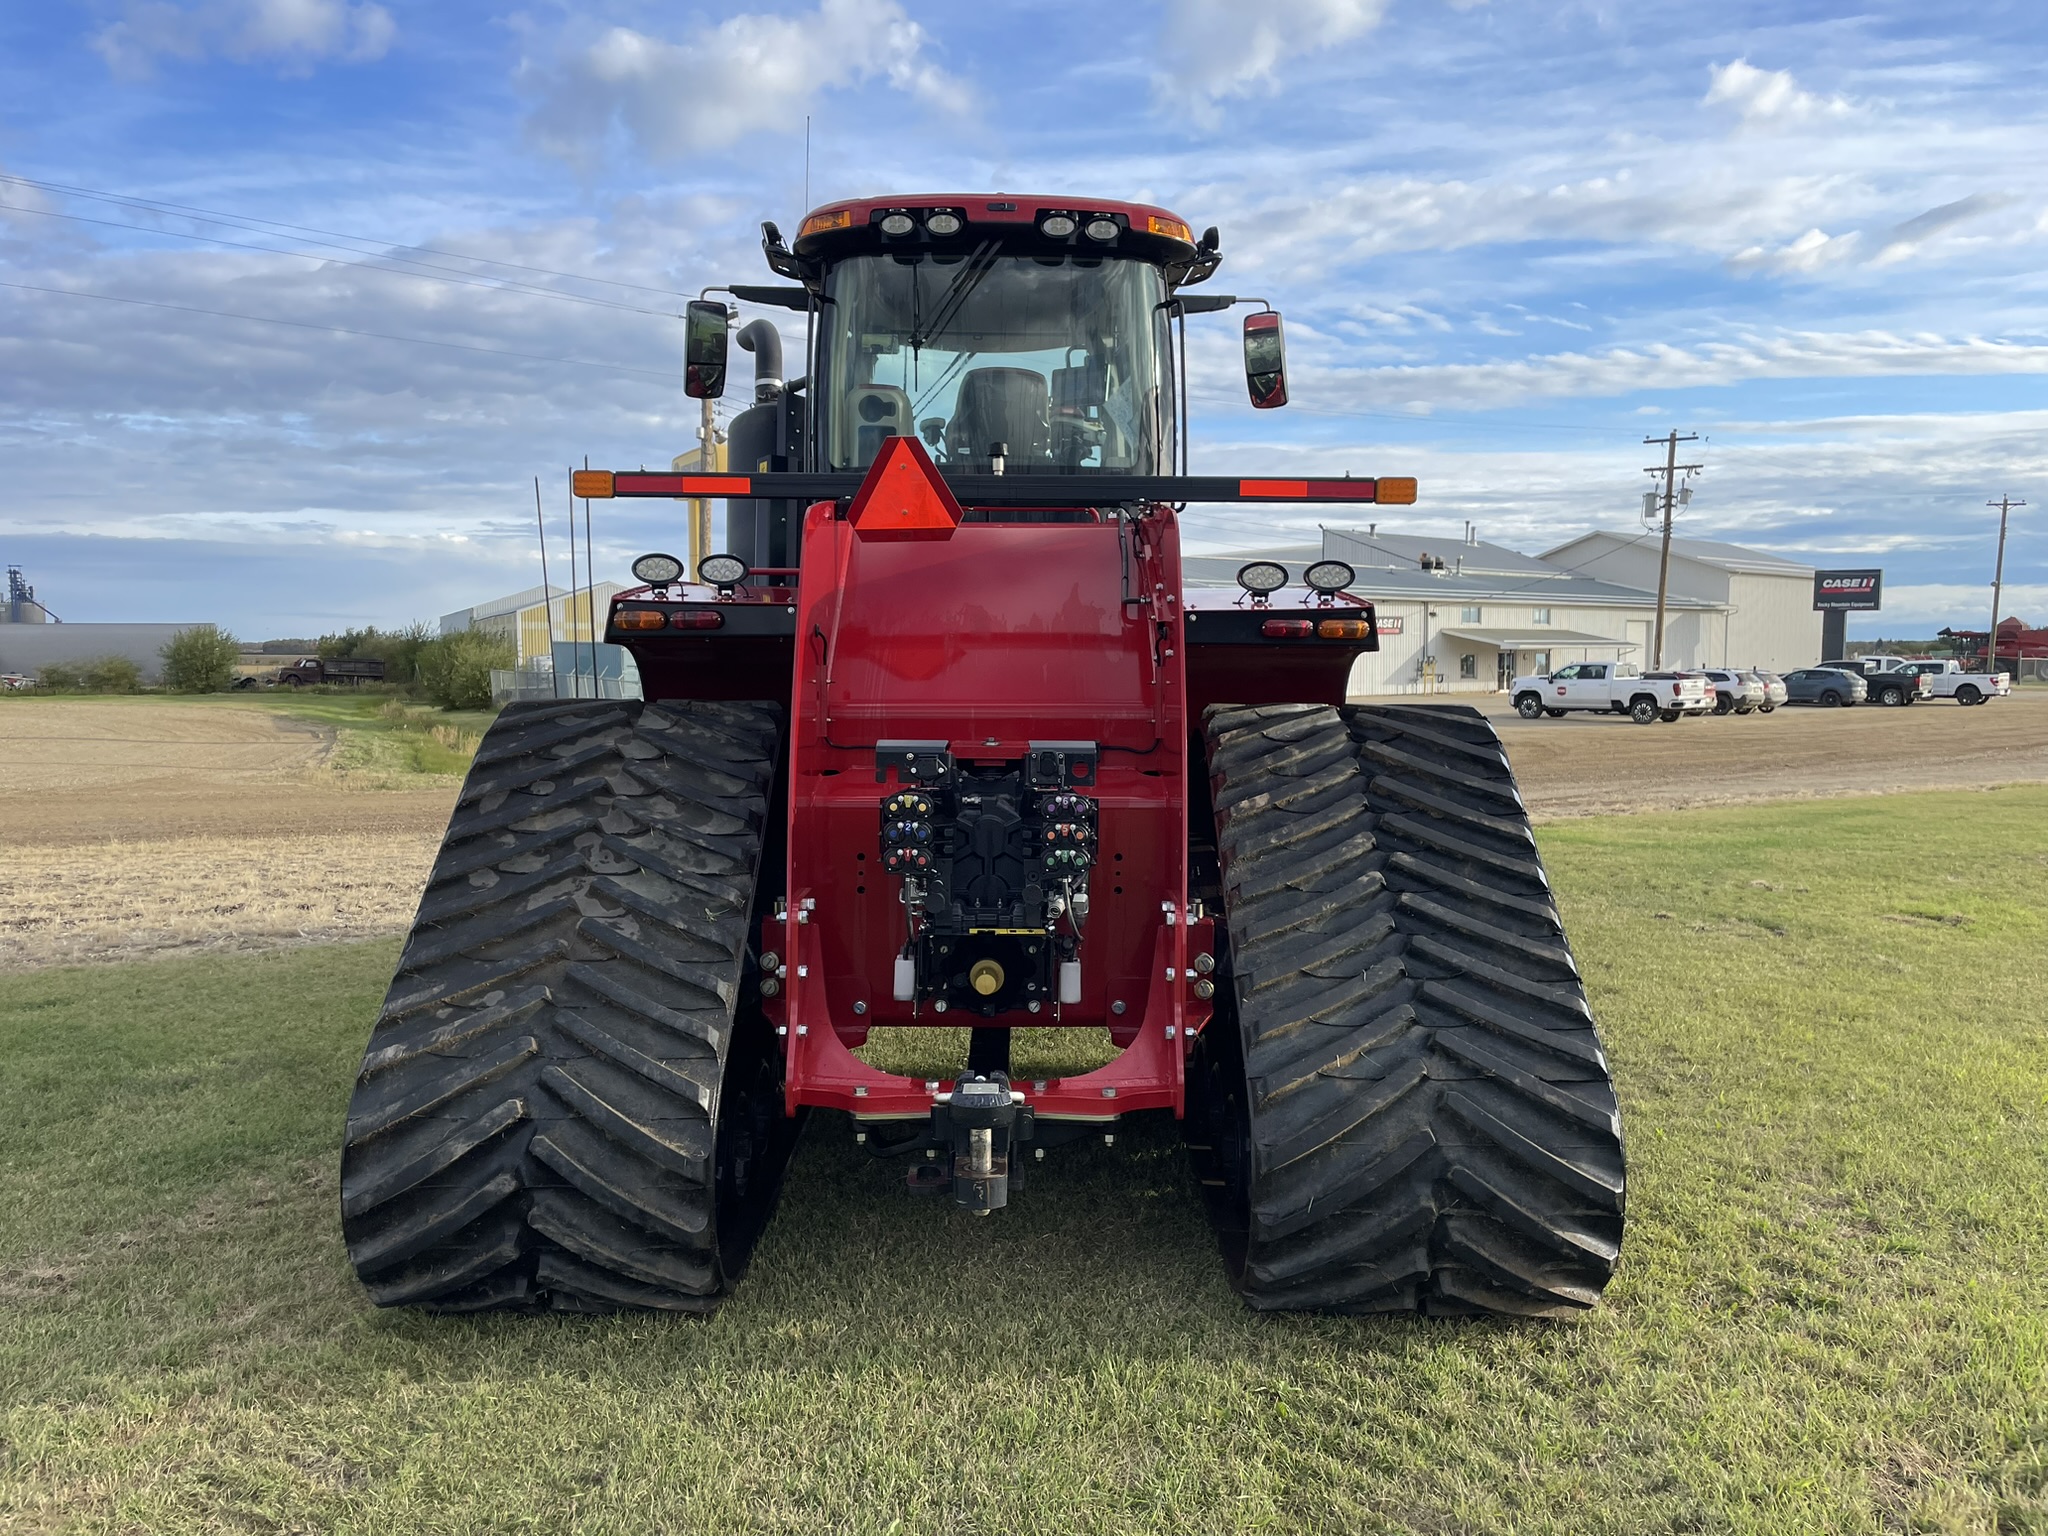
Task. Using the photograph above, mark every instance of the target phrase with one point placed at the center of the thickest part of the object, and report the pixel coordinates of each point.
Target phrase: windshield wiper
(965, 281)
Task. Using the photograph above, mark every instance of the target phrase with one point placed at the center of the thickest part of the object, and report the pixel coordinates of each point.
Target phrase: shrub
(456, 669)
(200, 660)
(399, 649)
(102, 674)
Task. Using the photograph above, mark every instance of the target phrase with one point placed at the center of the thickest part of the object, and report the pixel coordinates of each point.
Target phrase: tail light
(1287, 629)
(1344, 629)
(1677, 690)
(697, 618)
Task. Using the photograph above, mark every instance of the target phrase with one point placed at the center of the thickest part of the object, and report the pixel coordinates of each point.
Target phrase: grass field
(1829, 1035)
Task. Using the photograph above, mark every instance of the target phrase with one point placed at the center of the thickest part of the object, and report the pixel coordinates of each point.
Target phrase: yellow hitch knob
(986, 977)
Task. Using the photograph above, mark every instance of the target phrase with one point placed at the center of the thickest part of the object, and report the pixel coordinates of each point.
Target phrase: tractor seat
(1001, 405)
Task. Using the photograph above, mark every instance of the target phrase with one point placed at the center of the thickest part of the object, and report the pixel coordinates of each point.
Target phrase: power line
(238, 221)
(524, 290)
(342, 330)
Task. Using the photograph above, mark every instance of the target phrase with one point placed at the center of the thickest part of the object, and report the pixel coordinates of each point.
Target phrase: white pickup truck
(1950, 681)
(1612, 687)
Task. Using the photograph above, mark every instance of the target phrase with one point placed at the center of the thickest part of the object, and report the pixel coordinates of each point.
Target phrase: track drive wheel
(1401, 1104)
(571, 1099)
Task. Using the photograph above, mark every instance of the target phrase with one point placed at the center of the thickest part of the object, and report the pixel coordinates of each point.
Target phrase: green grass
(1827, 1023)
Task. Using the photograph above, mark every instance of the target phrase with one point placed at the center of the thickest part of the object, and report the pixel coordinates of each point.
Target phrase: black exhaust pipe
(765, 342)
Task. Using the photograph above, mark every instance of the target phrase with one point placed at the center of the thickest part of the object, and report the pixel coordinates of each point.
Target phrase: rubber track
(1413, 1108)
(537, 1122)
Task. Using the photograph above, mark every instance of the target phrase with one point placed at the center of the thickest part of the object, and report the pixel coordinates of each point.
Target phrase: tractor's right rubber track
(1409, 1109)
(571, 1099)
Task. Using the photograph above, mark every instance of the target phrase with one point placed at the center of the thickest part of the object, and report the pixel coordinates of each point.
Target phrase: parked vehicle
(16, 682)
(1612, 687)
(1735, 693)
(1890, 678)
(1775, 692)
(1828, 687)
(309, 670)
(1949, 681)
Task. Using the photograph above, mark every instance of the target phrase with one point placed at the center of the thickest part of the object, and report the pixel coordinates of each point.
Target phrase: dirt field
(145, 827)
(1590, 765)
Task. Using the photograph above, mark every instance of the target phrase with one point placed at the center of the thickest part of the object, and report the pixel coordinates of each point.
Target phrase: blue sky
(1511, 240)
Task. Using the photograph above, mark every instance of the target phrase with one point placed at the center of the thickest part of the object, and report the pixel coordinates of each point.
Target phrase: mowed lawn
(1829, 1024)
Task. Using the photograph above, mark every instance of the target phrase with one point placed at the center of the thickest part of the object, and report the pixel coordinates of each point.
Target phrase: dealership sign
(1846, 590)
(1387, 626)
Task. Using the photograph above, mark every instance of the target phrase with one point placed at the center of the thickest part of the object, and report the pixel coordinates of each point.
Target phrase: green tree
(101, 674)
(200, 660)
(456, 669)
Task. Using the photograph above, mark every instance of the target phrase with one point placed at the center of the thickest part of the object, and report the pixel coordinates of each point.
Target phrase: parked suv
(1891, 680)
(1775, 692)
(1825, 686)
(1735, 693)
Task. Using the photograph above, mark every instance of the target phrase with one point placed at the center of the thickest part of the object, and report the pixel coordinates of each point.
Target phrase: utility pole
(2005, 504)
(1669, 470)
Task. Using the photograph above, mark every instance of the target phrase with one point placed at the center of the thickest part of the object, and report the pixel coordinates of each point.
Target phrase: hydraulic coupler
(982, 1125)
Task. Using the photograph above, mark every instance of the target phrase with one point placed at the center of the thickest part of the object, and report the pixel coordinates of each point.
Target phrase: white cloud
(1817, 250)
(1217, 48)
(1768, 95)
(750, 73)
(295, 33)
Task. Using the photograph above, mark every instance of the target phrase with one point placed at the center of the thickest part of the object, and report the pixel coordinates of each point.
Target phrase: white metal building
(1467, 616)
(1765, 601)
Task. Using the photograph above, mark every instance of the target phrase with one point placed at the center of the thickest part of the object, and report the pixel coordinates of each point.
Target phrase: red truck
(309, 670)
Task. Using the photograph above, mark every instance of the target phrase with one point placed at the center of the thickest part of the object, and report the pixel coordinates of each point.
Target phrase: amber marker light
(826, 222)
(1172, 229)
(1343, 629)
(639, 618)
(593, 483)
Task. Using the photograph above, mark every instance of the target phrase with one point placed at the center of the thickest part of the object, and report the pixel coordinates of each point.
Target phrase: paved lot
(1589, 765)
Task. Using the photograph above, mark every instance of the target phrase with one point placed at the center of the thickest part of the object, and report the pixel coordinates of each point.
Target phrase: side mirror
(704, 344)
(1265, 360)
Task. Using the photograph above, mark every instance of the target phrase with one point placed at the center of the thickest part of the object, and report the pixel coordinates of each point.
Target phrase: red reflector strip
(697, 618)
(1287, 629)
(647, 483)
(1277, 490)
(1344, 490)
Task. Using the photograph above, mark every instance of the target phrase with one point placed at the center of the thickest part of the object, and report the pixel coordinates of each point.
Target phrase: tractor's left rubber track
(571, 1100)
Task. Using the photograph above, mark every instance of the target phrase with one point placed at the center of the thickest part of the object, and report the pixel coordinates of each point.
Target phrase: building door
(1504, 670)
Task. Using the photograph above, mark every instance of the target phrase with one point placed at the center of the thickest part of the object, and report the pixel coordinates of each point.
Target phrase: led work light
(1261, 577)
(657, 570)
(722, 571)
(1328, 577)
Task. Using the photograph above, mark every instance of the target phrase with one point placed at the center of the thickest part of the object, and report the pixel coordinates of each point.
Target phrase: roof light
(639, 618)
(1057, 226)
(1329, 577)
(657, 570)
(1344, 629)
(1172, 229)
(943, 223)
(824, 223)
(1101, 229)
(1262, 576)
(898, 224)
(697, 618)
(722, 570)
(1287, 629)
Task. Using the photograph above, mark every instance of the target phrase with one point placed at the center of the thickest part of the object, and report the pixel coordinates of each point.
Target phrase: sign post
(1836, 595)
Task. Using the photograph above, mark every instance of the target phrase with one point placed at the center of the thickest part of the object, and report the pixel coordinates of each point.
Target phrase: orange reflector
(1173, 229)
(594, 483)
(903, 496)
(1343, 629)
(639, 618)
(1396, 491)
(821, 223)
(1278, 489)
(1287, 629)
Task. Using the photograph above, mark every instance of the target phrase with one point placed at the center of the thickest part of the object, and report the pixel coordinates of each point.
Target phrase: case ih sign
(1846, 590)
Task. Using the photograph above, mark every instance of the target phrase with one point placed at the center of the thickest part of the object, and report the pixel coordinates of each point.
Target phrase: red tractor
(941, 740)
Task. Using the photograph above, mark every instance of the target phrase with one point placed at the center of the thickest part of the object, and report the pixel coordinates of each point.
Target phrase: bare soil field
(139, 827)
(1596, 765)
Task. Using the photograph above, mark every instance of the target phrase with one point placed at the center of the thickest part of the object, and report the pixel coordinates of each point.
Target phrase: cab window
(1564, 674)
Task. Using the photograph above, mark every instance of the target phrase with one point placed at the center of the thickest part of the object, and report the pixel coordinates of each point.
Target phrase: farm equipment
(941, 739)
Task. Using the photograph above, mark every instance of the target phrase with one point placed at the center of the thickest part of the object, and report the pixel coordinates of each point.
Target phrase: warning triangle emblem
(903, 496)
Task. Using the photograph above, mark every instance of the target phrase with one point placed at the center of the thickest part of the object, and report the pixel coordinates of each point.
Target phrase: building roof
(1546, 587)
(1727, 557)
(1535, 639)
(1395, 551)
